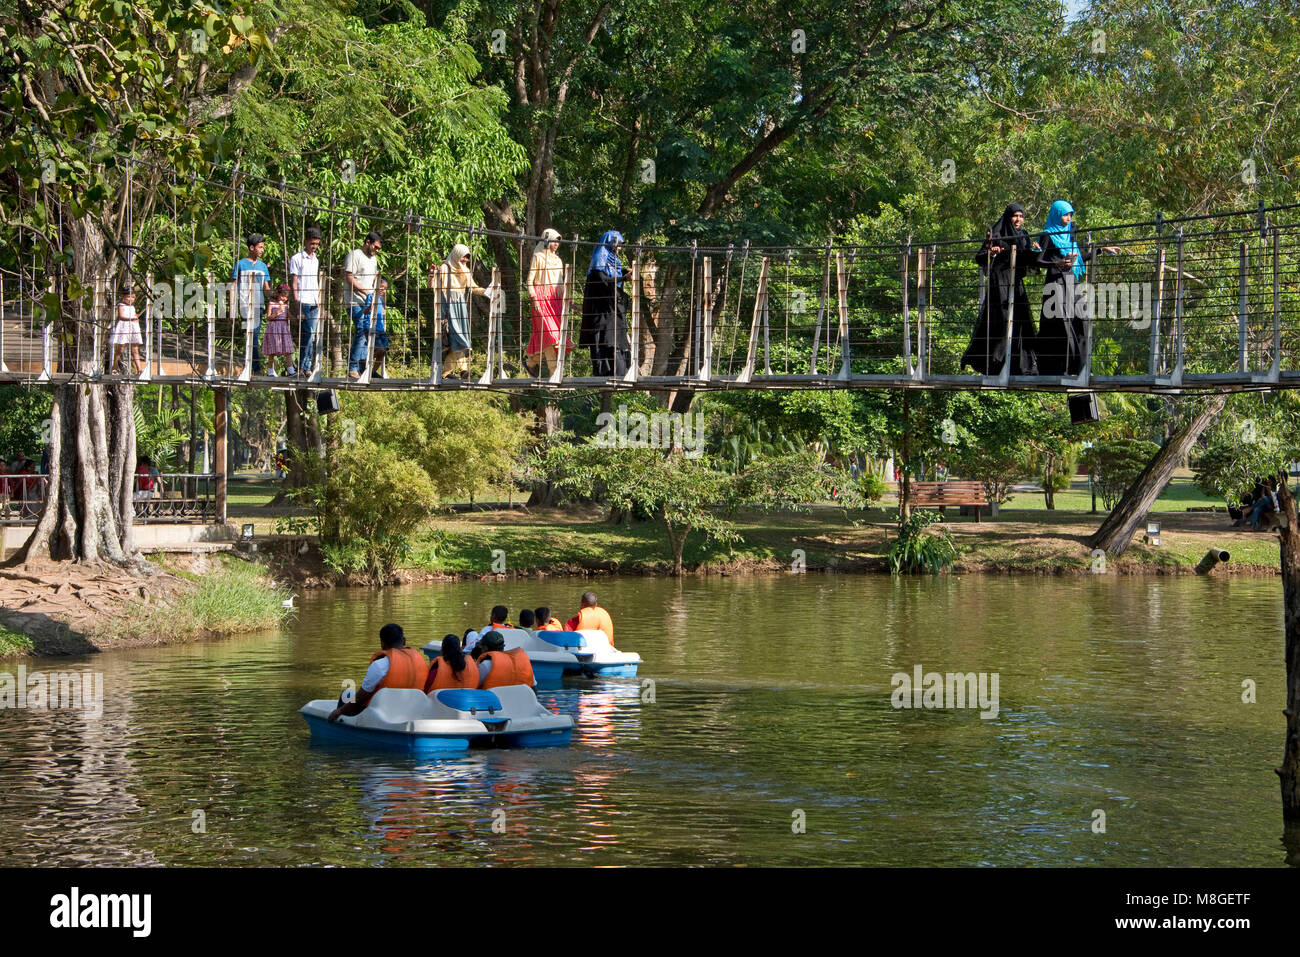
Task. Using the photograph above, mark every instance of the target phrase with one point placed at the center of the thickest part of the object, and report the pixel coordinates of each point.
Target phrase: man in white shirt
(304, 285)
(360, 273)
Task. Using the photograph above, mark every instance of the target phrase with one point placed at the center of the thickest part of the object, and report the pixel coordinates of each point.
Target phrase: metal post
(821, 309)
(1243, 306)
(1004, 377)
(1275, 373)
(907, 316)
(706, 339)
(495, 294)
(219, 424)
(96, 361)
(557, 374)
(3, 367)
(435, 283)
(1177, 377)
(760, 302)
(842, 282)
(1156, 308)
(210, 307)
(922, 307)
(633, 367)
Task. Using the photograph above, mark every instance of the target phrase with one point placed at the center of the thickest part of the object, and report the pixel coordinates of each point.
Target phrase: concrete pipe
(1213, 558)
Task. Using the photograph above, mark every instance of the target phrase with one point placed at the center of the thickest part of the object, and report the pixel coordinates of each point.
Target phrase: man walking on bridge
(304, 283)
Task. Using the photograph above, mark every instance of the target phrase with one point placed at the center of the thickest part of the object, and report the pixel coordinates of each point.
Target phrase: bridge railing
(1201, 303)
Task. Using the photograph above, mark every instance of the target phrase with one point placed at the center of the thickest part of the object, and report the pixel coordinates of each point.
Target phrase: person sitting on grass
(451, 669)
(1265, 504)
(394, 666)
(545, 621)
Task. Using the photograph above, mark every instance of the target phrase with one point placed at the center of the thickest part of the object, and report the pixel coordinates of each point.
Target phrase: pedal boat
(550, 662)
(447, 721)
(595, 656)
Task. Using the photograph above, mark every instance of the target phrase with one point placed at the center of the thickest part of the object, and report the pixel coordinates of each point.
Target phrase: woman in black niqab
(999, 284)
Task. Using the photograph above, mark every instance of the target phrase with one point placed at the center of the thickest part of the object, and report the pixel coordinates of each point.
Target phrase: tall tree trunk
(550, 421)
(87, 515)
(1289, 772)
(1116, 531)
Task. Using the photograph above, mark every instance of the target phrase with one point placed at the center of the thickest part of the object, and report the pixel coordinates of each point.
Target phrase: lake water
(770, 740)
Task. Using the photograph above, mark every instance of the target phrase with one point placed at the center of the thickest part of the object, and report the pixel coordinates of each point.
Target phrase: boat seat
(564, 639)
(468, 699)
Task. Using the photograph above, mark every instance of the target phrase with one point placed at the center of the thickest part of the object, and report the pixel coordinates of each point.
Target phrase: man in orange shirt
(592, 616)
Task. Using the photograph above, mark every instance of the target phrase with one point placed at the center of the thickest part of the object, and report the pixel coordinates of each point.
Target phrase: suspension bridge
(1202, 303)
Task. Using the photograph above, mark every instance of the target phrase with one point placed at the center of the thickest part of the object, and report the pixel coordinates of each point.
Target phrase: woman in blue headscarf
(1062, 340)
(604, 310)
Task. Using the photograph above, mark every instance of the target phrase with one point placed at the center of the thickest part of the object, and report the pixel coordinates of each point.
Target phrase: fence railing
(1214, 302)
(170, 497)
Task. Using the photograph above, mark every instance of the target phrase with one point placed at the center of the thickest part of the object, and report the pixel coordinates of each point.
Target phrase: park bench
(940, 495)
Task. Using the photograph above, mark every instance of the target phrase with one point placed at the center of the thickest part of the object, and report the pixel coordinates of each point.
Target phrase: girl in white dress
(126, 331)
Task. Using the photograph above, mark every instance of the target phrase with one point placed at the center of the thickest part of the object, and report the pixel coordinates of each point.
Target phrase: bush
(918, 550)
(872, 487)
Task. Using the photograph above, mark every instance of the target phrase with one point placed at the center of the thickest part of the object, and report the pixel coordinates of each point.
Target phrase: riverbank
(571, 541)
(65, 609)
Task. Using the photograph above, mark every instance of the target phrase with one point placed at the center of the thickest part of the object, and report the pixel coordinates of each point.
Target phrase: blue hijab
(604, 258)
(1062, 235)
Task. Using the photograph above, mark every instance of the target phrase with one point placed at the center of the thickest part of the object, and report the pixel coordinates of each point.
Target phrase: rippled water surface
(771, 708)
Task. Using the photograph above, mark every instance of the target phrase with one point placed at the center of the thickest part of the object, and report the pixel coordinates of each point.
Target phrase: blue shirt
(363, 315)
(251, 290)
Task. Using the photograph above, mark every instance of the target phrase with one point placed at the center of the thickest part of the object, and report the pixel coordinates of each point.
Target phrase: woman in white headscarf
(546, 286)
(453, 282)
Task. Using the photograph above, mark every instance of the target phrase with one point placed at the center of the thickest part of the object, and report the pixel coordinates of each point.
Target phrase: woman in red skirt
(546, 285)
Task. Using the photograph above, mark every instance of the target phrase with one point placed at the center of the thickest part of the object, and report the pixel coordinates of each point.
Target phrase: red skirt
(546, 321)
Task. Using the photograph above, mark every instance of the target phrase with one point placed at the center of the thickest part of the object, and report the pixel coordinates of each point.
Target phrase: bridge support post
(220, 420)
(706, 328)
(907, 317)
(557, 374)
(1157, 306)
(1243, 306)
(496, 302)
(760, 304)
(144, 375)
(1176, 378)
(922, 308)
(1004, 377)
(634, 366)
(842, 285)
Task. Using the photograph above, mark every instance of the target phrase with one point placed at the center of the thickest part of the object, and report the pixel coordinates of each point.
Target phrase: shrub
(917, 549)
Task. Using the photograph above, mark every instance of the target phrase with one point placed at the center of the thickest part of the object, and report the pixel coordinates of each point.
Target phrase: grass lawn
(1026, 537)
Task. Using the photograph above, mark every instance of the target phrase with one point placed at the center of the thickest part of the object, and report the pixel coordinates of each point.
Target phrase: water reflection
(771, 699)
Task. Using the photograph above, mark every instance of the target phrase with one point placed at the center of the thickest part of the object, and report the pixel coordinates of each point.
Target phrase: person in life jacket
(545, 622)
(451, 669)
(592, 616)
(498, 667)
(526, 620)
(395, 666)
(498, 615)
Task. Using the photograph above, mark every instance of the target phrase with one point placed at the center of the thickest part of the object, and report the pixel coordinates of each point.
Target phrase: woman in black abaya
(1000, 284)
(604, 310)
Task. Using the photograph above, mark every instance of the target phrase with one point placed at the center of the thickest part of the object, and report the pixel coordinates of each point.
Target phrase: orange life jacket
(593, 619)
(509, 668)
(444, 677)
(406, 668)
(553, 625)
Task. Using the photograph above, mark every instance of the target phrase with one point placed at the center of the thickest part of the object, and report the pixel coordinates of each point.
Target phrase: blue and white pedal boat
(595, 656)
(446, 721)
(550, 662)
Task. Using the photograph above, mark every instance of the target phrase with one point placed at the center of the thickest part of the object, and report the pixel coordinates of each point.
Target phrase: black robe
(1063, 324)
(604, 325)
(988, 344)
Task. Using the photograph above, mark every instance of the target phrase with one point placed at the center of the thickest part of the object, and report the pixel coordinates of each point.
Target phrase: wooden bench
(942, 494)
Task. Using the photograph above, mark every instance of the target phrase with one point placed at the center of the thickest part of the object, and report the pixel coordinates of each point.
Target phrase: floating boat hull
(447, 722)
